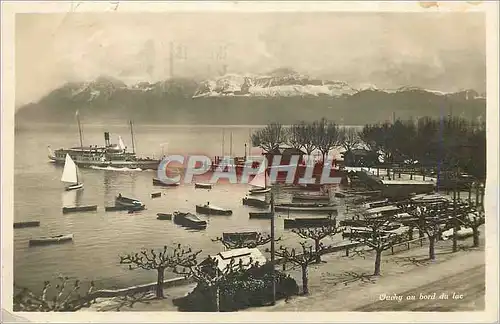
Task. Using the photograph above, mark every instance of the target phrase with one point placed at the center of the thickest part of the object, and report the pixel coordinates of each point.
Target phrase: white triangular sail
(261, 180)
(70, 173)
(120, 143)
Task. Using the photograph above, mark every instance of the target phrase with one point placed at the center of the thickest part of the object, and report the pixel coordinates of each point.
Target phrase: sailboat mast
(79, 128)
(223, 137)
(132, 135)
(231, 144)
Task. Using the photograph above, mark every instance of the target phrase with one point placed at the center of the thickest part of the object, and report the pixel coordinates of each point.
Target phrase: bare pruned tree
(317, 234)
(159, 261)
(209, 274)
(303, 257)
(377, 238)
(242, 241)
(63, 298)
(270, 137)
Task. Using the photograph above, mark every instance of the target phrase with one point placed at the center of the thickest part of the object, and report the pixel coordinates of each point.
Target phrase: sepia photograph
(246, 159)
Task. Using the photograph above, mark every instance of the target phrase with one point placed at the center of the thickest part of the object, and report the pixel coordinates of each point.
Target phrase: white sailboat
(260, 183)
(71, 174)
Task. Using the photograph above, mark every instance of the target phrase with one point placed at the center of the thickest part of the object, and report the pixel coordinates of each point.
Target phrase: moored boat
(26, 224)
(128, 202)
(203, 185)
(77, 209)
(51, 239)
(260, 215)
(320, 208)
(260, 183)
(307, 222)
(158, 182)
(189, 220)
(156, 194)
(254, 202)
(163, 216)
(258, 191)
(212, 210)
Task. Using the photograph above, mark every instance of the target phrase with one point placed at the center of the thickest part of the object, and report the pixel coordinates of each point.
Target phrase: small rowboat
(162, 216)
(156, 194)
(254, 202)
(213, 210)
(128, 202)
(158, 182)
(51, 239)
(189, 220)
(299, 196)
(203, 185)
(258, 191)
(319, 208)
(261, 215)
(89, 208)
(27, 224)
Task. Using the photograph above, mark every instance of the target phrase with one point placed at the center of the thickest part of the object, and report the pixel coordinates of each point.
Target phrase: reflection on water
(72, 198)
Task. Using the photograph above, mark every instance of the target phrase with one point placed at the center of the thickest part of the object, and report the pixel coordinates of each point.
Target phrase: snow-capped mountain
(279, 83)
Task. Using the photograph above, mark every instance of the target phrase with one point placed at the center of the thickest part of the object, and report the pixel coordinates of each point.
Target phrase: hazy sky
(442, 51)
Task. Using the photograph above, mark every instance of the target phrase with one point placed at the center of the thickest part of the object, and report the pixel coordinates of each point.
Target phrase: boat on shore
(260, 215)
(163, 216)
(254, 202)
(26, 224)
(158, 182)
(189, 220)
(213, 210)
(203, 185)
(317, 208)
(51, 239)
(307, 222)
(306, 197)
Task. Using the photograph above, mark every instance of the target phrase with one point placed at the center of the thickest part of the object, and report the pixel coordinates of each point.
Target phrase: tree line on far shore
(450, 143)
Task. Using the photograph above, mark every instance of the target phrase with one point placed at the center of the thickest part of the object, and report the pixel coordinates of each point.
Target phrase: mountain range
(282, 95)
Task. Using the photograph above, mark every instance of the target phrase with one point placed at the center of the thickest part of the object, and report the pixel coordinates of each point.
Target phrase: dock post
(273, 249)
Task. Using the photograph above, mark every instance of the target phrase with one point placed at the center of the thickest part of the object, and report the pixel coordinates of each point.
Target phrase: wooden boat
(212, 210)
(462, 233)
(128, 202)
(302, 196)
(307, 222)
(189, 220)
(203, 185)
(26, 224)
(292, 204)
(318, 208)
(51, 239)
(158, 182)
(71, 174)
(156, 194)
(254, 202)
(89, 208)
(163, 216)
(258, 191)
(357, 232)
(352, 222)
(261, 215)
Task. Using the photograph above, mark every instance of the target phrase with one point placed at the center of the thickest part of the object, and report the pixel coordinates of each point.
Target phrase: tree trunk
(159, 282)
(316, 249)
(432, 253)
(475, 236)
(410, 233)
(378, 259)
(305, 279)
(455, 239)
(217, 298)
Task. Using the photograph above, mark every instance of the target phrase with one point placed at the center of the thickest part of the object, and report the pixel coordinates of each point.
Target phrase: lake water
(99, 237)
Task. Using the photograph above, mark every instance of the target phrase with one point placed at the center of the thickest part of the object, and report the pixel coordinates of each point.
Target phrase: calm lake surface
(100, 237)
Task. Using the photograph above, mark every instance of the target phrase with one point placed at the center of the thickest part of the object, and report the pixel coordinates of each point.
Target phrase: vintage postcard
(250, 161)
